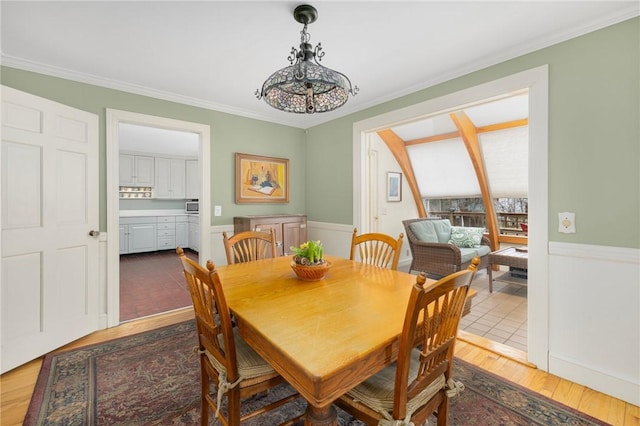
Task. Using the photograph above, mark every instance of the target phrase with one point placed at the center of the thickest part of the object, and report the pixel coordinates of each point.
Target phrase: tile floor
(151, 283)
(500, 316)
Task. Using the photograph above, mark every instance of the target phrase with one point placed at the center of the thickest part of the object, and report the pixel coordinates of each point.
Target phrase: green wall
(229, 134)
(594, 137)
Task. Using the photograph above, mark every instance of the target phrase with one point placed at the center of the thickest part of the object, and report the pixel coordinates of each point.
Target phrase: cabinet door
(170, 178)
(142, 237)
(192, 184)
(163, 178)
(182, 234)
(178, 176)
(127, 172)
(277, 228)
(144, 170)
(294, 234)
(124, 239)
(194, 236)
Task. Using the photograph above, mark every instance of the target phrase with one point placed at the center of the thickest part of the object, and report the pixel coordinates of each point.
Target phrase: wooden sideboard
(290, 230)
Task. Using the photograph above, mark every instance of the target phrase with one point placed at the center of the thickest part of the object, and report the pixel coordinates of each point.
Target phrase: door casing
(114, 118)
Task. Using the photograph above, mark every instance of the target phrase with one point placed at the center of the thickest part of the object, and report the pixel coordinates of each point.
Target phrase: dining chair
(376, 249)
(419, 383)
(249, 245)
(226, 361)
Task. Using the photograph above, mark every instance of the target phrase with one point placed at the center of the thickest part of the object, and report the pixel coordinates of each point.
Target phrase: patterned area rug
(153, 379)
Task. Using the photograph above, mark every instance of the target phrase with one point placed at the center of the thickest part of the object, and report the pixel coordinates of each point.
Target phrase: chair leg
(443, 409)
(204, 391)
(233, 400)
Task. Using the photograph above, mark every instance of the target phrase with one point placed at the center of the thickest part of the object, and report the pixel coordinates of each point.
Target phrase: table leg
(325, 416)
(490, 269)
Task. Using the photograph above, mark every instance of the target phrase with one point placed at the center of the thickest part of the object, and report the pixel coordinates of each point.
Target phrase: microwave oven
(192, 207)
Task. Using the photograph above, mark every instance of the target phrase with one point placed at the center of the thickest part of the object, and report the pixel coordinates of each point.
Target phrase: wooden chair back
(376, 249)
(229, 364)
(213, 318)
(430, 326)
(247, 246)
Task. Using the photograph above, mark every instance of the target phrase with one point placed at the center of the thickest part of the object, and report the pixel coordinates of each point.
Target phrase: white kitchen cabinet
(136, 170)
(182, 231)
(192, 182)
(124, 239)
(170, 178)
(166, 232)
(137, 234)
(194, 232)
(142, 237)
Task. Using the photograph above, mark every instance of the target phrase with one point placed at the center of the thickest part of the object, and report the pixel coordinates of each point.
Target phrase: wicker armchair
(441, 258)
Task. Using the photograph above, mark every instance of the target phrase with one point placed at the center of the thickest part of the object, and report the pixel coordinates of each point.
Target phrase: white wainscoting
(594, 317)
(335, 238)
(216, 246)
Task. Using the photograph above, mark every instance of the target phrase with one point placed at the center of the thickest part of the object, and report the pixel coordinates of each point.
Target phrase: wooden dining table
(323, 337)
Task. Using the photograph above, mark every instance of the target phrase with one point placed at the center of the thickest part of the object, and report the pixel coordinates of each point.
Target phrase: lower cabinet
(290, 230)
(150, 233)
(139, 237)
(194, 232)
(166, 232)
(182, 231)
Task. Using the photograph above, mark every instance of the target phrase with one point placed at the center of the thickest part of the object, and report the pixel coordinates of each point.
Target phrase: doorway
(116, 121)
(536, 81)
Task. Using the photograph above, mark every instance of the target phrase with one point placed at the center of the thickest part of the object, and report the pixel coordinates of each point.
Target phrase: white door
(50, 273)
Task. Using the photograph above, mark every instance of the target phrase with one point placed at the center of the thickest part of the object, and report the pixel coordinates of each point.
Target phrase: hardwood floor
(17, 385)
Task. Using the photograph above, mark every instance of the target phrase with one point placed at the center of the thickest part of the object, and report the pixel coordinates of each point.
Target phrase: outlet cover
(567, 222)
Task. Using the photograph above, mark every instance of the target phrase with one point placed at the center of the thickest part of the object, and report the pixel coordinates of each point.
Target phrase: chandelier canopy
(306, 86)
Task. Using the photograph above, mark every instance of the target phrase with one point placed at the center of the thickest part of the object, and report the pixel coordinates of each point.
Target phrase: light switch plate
(217, 210)
(567, 222)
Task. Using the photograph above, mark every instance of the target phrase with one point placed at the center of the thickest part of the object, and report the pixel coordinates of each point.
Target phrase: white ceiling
(215, 54)
(137, 138)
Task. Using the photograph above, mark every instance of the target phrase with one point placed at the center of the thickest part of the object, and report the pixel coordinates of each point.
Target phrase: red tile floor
(152, 283)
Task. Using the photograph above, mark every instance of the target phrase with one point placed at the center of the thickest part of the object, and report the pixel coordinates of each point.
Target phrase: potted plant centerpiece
(308, 261)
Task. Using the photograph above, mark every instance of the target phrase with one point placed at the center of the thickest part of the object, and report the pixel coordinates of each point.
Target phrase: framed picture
(394, 186)
(261, 179)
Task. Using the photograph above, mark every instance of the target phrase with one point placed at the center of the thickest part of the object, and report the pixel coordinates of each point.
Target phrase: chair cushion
(432, 231)
(424, 231)
(469, 253)
(443, 229)
(377, 391)
(250, 364)
(464, 236)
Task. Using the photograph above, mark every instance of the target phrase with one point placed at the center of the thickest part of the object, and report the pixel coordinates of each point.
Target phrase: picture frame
(261, 179)
(394, 186)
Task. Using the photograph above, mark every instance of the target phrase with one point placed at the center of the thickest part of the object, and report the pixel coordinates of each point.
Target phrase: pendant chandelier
(306, 86)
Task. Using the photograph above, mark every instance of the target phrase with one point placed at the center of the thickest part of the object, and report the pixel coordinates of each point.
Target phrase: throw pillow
(467, 237)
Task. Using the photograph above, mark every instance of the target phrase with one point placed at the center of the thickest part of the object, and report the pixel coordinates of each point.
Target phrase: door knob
(94, 233)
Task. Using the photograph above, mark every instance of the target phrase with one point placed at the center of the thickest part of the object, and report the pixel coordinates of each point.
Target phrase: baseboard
(615, 386)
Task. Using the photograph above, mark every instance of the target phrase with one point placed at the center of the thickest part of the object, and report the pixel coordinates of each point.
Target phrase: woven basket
(310, 272)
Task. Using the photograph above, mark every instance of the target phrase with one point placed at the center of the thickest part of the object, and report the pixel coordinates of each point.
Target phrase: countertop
(146, 213)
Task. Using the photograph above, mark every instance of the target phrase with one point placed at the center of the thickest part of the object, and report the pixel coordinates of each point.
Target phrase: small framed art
(394, 186)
